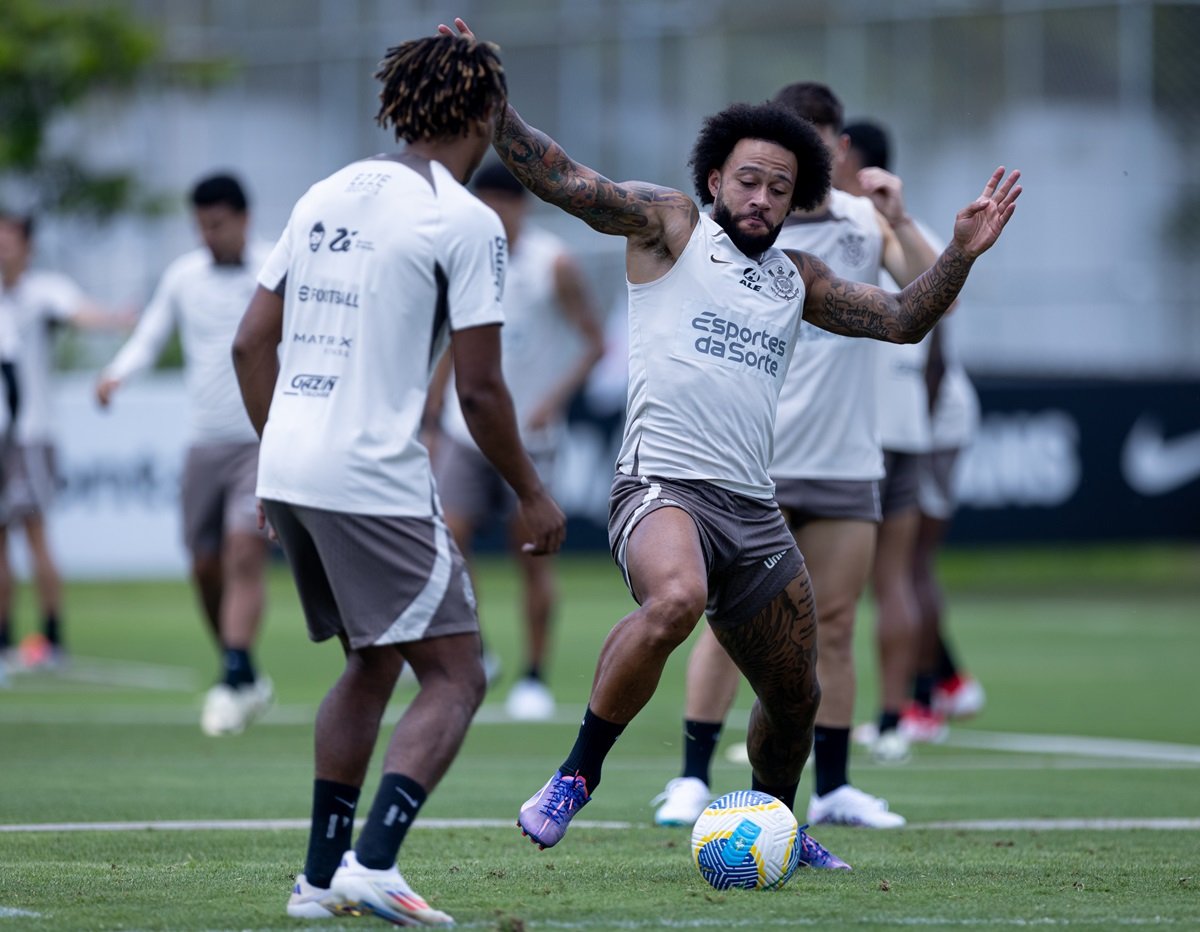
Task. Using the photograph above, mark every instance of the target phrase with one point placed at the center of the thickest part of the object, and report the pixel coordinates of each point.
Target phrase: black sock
(888, 721)
(5, 633)
(596, 738)
(699, 743)
(923, 690)
(534, 672)
(785, 794)
(831, 755)
(332, 824)
(239, 669)
(50, 628)
(946, 668)
(396, 804)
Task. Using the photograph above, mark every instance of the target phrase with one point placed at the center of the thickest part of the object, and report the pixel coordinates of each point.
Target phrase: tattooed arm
(855, 309)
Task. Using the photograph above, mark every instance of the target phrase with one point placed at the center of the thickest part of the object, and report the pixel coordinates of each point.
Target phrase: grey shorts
(898, 490)
(30, 480)
(935, 491)
(749, 553)
(218, 494)
(805, 500)
(470, 487)
(376, 580)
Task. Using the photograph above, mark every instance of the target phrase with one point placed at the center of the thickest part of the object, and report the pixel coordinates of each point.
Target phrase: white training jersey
(536, 340)
(206, 302)
(709, 346)
(378, 263)
(956, 408)
(29, 313)
(901, 391)
(827, 424)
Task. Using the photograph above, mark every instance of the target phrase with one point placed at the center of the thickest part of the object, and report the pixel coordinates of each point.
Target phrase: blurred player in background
(827, 465)
(548, 307)
(33, 304)
(714, 310)
(903, 418)
(203, 293)
(389, 259)
(941, 690)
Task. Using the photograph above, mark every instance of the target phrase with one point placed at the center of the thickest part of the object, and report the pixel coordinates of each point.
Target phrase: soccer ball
(746, 839)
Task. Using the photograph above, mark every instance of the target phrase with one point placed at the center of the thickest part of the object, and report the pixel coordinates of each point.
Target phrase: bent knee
(671, 616)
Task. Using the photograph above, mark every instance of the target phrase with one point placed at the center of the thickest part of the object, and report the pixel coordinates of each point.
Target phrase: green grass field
(1097, 649)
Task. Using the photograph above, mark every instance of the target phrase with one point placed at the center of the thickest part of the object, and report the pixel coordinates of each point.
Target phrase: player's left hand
(263, 525)
(979, 224)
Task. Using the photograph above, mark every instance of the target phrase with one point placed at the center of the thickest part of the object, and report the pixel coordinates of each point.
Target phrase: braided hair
(435, 87)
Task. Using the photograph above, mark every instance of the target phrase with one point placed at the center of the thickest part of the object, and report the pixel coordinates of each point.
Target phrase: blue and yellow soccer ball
(746, 839)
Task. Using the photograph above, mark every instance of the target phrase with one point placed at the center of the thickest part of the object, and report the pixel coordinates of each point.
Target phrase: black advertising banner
(1075, 460)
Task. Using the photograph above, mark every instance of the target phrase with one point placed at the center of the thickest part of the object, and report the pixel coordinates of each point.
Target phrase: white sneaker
(891, 747)
(305, 901)
(529, 701)
(850, 806)
(684, 799)
(959, 697)
(384, 893)
(229, 710)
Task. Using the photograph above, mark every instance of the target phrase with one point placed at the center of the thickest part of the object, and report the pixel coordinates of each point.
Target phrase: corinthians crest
(782, 275)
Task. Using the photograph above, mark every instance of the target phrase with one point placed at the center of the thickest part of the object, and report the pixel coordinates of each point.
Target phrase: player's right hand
(105, 388)
(545, 524)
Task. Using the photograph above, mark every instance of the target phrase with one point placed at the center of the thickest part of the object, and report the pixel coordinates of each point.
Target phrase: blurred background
(1082, 328)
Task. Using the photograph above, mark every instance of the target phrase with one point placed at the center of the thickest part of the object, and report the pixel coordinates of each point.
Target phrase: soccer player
(941, 690)
(714, 310)
(203, 293)
(382, 264)
(551, 340)
(827, 466)
(33, 304)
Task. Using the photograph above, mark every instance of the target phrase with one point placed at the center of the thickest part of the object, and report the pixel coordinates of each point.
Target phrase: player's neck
(11, 273)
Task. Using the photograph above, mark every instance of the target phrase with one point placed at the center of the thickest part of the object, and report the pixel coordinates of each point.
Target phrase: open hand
(979, 224)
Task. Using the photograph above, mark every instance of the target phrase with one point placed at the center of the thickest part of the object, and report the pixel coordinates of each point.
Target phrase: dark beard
(751, 245)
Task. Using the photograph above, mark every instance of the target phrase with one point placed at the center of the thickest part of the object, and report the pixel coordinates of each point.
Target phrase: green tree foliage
(53, 56)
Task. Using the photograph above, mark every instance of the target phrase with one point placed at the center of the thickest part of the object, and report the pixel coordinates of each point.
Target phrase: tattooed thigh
(777, 649)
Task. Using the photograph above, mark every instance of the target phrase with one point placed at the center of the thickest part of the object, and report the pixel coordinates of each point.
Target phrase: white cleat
(229, 710)
(358, 890)
(959, 697)
(683, 801)
(850, 806)
(529, 701)
(306, 901)
(891, 747)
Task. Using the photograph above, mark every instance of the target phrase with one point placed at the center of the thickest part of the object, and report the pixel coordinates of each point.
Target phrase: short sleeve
(63, 298)
(273, 274)
(476, 260)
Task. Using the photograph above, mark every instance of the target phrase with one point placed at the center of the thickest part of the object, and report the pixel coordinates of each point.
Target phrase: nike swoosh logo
(1154, 465)
(720, 261)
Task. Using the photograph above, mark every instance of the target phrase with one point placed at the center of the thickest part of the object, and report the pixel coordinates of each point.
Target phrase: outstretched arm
(647, 213)
(859, 310)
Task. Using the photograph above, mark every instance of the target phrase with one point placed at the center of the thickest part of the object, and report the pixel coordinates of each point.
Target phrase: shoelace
(811, 850)
(564, 799)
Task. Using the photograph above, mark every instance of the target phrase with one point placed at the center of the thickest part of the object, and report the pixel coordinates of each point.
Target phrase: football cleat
(682, 801)
(529, 701)
(356, 890)
(228, 710)
(921, 725)
(891, 747)
(960, 696)
(306, 901)
(814, 854)
(848, 805)
(545, 816)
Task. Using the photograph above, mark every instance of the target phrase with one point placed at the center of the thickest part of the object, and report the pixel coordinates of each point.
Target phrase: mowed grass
(1098, 643)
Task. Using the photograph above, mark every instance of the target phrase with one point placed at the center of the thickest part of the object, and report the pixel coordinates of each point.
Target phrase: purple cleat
(546, 815)
(814, 854)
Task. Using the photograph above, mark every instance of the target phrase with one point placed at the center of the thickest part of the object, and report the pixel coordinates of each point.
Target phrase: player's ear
(714, 181)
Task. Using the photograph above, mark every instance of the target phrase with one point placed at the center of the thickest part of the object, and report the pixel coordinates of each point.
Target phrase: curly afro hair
(770, 122)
